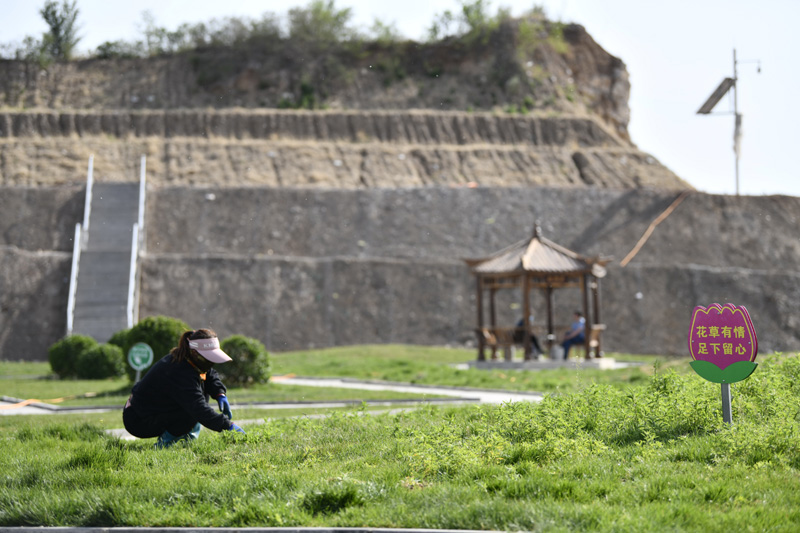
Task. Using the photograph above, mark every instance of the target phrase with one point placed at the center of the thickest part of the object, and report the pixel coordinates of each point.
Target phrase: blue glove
(224, 406)
(236, 428)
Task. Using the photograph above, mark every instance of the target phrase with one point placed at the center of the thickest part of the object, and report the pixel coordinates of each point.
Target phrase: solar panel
(715, 97)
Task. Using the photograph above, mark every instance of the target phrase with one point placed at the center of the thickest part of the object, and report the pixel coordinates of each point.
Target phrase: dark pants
(177, 423)
(519, 335)
(567, 344)
(535, 343)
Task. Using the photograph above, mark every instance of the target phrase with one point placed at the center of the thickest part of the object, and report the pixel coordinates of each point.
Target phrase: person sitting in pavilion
(576, 334)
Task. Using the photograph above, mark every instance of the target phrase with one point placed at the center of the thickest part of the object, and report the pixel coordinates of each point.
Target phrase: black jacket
(178, 388)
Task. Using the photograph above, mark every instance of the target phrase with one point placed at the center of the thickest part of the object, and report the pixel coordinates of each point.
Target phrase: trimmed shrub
(161, 333)
(101, 362)
(119, 339)
(250, 361)
(63, 355)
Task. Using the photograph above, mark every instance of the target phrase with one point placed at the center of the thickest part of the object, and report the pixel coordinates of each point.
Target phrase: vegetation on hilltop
(57, 43)
(319, 25)
(322, 54)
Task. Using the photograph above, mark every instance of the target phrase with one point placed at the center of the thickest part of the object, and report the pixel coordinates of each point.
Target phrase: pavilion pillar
(526, 317)
(596, 303)
(493, 317)
(550, 332)
(587, 317)
(481, 339)
(492, 308)
(596, 300)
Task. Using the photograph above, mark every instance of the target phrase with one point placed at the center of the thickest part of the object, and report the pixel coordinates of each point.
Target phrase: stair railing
(73, 278)
(87, 205)
(137, 244)
(132, 280)
(78, 243)
(142, 167)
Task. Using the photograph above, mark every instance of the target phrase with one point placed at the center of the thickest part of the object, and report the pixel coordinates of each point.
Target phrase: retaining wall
(301, 268)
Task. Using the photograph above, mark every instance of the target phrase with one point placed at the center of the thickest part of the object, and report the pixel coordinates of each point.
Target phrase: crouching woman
(171, 400)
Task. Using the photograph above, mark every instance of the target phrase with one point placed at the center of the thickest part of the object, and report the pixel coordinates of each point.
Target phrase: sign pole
(726, 403)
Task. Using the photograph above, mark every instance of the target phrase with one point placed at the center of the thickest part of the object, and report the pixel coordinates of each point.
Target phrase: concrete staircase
(101, 296)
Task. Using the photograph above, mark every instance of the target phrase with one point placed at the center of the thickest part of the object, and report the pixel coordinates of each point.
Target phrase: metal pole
(726, 403)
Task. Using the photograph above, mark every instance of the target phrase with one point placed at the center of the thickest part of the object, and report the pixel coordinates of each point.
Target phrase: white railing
(81, 234)
(132, 278)
(137, 244)
(87, 205)
(142, 192)
(73, 278)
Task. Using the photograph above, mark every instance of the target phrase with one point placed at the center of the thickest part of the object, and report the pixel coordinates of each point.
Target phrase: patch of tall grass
(650, 458)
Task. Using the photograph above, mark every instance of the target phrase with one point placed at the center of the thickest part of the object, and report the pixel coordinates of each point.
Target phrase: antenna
(726, 85)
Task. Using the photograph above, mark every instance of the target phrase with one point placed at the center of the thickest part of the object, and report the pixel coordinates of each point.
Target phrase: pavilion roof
(535, 255)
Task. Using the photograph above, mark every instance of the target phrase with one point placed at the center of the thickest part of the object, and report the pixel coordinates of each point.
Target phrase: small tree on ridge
(60, 41)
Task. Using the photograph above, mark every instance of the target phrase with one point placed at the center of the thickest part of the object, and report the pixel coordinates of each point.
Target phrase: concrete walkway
(472, 394)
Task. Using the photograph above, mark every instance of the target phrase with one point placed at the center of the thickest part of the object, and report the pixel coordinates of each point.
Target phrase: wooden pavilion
(536, 263)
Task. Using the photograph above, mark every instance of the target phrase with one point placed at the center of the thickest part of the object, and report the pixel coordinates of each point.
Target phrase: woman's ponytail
(182, 351)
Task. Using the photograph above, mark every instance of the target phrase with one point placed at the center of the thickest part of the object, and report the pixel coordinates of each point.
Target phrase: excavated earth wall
(308, 267)
(333, 149)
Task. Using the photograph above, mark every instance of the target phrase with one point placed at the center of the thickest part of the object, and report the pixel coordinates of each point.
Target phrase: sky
(676, 54)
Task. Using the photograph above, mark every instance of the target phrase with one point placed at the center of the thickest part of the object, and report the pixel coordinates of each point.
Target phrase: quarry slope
(328, 149)
(532, 103)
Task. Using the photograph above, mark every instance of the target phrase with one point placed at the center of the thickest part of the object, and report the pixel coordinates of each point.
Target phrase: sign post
(726, 403)
(140, 357)
(723, 346)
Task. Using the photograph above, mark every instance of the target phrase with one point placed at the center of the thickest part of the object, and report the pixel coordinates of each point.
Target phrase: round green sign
(140, 356)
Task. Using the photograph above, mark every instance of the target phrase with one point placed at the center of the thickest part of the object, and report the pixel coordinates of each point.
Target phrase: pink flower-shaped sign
(723, 343)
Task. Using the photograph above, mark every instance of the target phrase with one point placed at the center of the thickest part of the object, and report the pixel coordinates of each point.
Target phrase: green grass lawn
(430, 365)
(400, 363)
(655, 456)
(23, 368)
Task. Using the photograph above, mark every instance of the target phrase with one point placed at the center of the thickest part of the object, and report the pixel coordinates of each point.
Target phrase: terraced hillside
(530, 103)
(329, 149)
